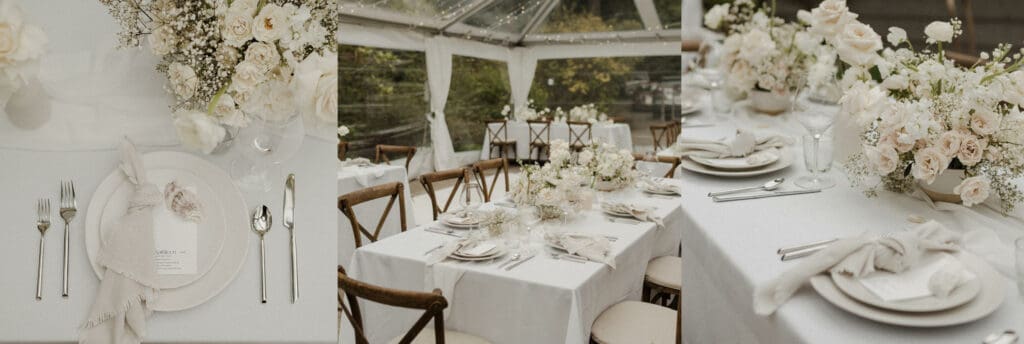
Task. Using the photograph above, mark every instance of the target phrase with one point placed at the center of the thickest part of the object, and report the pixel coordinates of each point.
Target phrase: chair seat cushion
(503, 142)
(450, 337)
(635, 322)
(665, 271)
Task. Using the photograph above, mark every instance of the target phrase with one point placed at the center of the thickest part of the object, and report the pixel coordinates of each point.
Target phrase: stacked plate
(759, 163)
(460, 220)
(968, 302)
(478, 251)
(222, 236)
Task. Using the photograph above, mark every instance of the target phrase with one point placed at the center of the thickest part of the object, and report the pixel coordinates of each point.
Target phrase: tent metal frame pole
(477, 7)
(537, 20)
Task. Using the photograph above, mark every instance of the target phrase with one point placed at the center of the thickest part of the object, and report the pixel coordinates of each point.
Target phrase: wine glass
(815, 107)
(265, 144)
(709, 66)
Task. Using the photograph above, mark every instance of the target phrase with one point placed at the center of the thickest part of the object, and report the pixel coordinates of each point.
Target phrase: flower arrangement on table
(229, 60)
(921, 117)
(526, 113)
(343, 130)
(587, 113)
(611, 167)
(762, 52)
(21, 46)
(560, 185)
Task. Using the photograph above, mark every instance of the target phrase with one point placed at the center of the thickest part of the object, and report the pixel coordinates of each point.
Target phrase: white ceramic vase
(941, 189)
(768, 102)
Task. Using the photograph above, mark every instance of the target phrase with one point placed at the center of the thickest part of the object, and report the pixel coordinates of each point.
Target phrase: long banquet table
(353, 178)
(541, 301)
(729, 250)
(617, 134)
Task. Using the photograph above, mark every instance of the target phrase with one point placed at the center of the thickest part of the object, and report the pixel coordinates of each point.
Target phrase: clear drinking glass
(709, 66)
(266, 144)
(471, 197)
(1019, 244)
(822, 163)
(816, 110)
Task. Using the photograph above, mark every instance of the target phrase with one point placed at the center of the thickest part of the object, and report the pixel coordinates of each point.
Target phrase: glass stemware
(266, 144)
(815, 107)
(709, 66)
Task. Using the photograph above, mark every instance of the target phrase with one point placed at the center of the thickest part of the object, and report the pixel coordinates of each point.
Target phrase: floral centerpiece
(342, 131)
(526, 113)
(612, 168)
(227, 61)
(559, 185)
(763, 55)
(922, 118)
(587, 113)
(21, 46)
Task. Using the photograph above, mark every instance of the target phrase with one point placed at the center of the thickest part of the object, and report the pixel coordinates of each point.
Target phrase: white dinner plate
(785, 159)
(496, 252)
(209, 231)
(993, 291)
(236, 232)
(737, 163)
(959, 296)
(455, 221)
(656, 191)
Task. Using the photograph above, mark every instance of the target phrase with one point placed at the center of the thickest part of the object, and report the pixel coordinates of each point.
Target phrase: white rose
(858, 44)
(863, 102)
(183, 80)
(237, 29)
(246, 7)
(973, 190)
(271, 24)
(972, 150)
(928, 164)
(985, 121)
(9, 39)
(226, 112)
(713, 19)
(316, 84)
(892, 139)
(804, 16)
(31, 44)
(247, 76)
(756, 46)
(895, 82)
(325, 101)
(227, 55)
(939, 31)
(896, 35)
(949, 143)
(264, 55)
(197, 131)
(342, 131)
(279, 101)
(162, 40)
(883, 158)
(829, 18)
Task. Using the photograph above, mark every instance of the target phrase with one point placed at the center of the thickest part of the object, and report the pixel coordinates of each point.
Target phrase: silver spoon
(768, 186)
(1005, 337)
(261, 221)
(514, 258)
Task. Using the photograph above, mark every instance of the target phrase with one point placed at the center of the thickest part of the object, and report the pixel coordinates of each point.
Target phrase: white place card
(910, 284)
(175, 241)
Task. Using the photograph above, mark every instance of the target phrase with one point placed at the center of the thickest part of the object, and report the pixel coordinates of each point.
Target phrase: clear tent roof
(526, 22)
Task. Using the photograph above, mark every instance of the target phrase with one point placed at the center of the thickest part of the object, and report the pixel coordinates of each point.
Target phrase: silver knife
(764, 195)
(802, 253)
(289, 218)
(509, 268)
(782, 251)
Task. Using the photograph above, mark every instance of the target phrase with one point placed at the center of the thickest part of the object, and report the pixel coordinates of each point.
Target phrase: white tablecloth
(352, 178)
(541, 301)
(729, 249)
(235, 315)
(617, 134)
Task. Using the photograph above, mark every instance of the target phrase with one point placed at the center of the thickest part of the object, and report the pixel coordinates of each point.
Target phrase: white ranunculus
(973, 190)
(183, 79)
(928, 164)
(247, 76)
(883, 158)
(198, 131)
(246, 7)
(713, 19)
(316, 87)
(226, 112)
(985, 121)
(830, 17)
(756, 46)
(162, 40)
(263, 55)
(271, 24)
(343, 130)
(949, 143)
(896, 36)
(236, 29)
(858, 44)
(939, 31)
(972, 149)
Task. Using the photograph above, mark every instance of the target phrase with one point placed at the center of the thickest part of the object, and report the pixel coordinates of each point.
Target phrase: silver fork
(43, 214)
(68, 209)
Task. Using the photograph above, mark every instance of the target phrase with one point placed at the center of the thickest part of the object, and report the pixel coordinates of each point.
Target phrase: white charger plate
(496, 252)
(785, 160)
(735, 163)
(236, 238)
(959, 296)
(993, 292)
(446, 219)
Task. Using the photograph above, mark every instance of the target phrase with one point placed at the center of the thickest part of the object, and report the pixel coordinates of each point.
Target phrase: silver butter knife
(289, 222)
(764, 195)
(510, 267)
(805, 246)
(802, 253)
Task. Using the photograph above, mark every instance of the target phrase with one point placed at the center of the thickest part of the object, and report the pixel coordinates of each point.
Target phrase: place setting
(744, 155)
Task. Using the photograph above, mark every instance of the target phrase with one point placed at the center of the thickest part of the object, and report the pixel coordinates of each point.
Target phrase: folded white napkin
(118, 314)
(637, 212)
(356, 162)
(658, 185)
(594, 248)
(742, 145)
(858, 256)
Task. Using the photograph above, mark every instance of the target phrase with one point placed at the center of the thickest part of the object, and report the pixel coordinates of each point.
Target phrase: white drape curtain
(693, 19)
(439, 79)
(521, 68)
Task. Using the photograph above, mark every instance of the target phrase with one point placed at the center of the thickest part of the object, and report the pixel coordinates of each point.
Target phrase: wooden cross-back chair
(460, 176)
(382, 152)
(497, 134)
(347, 203)
(671, 160)
(660, 135)
(342, 150)
(675, 127)
(500, 166)
(432, 304)
(580, 135)
(540, 136)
